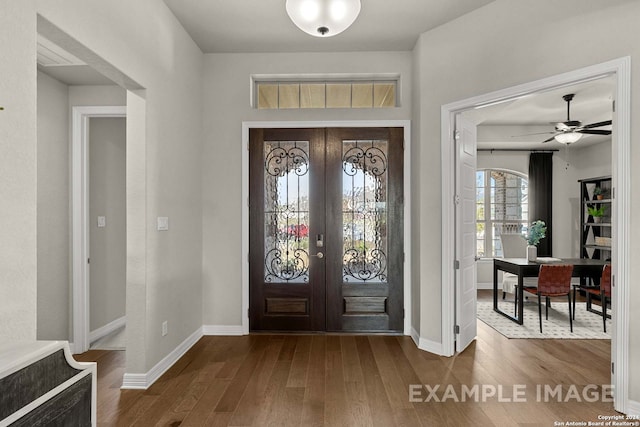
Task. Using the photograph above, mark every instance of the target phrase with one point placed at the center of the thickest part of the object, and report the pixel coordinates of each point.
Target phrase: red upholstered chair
(604, 292)
(553, 281)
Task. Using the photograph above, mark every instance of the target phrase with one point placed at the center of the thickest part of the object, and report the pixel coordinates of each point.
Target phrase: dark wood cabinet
(42, 385)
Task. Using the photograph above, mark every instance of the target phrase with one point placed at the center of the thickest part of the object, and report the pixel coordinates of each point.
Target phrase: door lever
(320, 255)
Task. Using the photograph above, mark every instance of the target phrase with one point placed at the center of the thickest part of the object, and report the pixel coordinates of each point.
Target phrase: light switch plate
(163, 223)
(102, 221)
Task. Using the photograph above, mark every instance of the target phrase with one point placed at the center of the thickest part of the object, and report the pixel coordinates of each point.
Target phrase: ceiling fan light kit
(571, 131)
(568, 137)
(323, 18)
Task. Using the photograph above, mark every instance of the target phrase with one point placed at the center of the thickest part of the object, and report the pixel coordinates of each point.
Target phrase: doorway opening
(326, 229)
(83, 224)
(86, 74)
(620, 148)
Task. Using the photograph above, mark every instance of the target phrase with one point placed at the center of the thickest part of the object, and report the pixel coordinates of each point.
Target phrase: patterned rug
(586, 325)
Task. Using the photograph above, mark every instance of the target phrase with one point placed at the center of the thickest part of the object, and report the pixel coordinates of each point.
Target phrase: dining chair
(554, 280)
(603, 291)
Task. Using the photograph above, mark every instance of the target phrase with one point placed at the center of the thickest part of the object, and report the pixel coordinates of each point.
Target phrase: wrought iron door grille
(364, 210)
(286, 211)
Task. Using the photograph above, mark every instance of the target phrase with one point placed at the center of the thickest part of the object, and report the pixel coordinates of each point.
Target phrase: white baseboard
(105, 330)
(223, 330)
(134, 382)
(144, 381)
(633, 408)
(415, 336)
(426, 345)
(484, 285)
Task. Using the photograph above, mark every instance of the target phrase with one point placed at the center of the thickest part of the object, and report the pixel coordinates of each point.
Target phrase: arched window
(501, 207)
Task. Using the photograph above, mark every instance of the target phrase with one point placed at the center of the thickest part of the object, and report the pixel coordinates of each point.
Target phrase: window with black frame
(501, 207)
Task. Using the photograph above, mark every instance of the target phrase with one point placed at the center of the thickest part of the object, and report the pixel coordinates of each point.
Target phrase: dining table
(522, 267)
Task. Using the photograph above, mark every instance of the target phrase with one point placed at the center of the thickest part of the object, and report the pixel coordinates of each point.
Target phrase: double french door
(326, 229)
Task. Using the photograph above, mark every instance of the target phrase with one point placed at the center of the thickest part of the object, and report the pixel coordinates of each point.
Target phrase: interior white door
(466, 298)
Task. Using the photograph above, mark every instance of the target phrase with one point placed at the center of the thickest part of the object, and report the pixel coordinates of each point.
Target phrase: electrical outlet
(165, 328)
(163, 223)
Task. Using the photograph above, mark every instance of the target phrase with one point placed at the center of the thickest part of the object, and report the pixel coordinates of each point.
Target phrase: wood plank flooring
(357, 380)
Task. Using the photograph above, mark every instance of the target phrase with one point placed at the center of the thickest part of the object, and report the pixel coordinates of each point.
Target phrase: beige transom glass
(355, 94)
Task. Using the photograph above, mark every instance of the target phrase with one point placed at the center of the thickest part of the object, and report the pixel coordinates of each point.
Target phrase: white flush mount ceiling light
(323, 18)
(568, 137)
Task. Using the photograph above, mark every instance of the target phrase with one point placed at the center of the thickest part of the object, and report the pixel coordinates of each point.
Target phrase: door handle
(320, 255)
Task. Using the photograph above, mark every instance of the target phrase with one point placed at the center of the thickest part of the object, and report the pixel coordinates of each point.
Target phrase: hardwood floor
(352, 380)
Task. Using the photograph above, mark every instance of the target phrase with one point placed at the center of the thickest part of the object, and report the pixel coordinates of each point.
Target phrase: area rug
(113, 341)
(586, 325)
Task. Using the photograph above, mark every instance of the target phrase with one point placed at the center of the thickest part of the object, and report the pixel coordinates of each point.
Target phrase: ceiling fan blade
(594, 132)
(550, 139)
(529, 134)
(597, 125)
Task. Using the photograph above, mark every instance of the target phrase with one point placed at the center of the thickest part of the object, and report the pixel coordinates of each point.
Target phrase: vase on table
(532, 252)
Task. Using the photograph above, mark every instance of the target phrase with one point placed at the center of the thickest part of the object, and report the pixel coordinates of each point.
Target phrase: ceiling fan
(572, 130)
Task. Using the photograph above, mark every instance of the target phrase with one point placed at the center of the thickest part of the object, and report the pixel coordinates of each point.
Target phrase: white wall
(53, 210)
(107, 197)
(569, 166)
(226, 88)
(144, 41)
(593, 161)
(467, 57)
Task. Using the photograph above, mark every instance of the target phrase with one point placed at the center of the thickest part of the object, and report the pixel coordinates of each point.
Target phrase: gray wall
(18, 186)
(54, 263)
(107, 197)
(97, 95)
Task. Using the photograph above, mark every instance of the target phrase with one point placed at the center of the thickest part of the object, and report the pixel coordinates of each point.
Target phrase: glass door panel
(364, 211)
(286, 211)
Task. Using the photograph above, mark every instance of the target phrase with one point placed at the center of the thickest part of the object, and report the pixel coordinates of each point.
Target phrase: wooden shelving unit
(592, 233)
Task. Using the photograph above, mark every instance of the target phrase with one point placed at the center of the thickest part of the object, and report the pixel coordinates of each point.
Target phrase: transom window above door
(502, 206)
(303, 92)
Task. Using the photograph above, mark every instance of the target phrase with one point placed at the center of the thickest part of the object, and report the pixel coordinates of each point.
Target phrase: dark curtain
(540, 196)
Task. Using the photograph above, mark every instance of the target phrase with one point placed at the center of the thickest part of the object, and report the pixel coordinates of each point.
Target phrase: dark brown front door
(326, 229)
